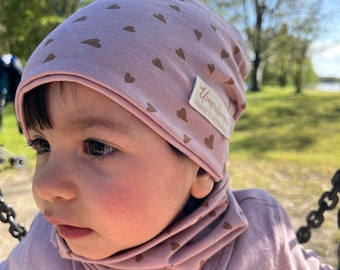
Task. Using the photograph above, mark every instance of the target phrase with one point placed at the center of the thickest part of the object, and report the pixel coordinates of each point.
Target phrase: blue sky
(325, 51)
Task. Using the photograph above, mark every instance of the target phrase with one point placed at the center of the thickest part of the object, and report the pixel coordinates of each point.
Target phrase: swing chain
(315, 218)
(7, 215)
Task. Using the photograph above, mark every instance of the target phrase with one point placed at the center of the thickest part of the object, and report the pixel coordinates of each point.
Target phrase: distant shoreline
(328, 86)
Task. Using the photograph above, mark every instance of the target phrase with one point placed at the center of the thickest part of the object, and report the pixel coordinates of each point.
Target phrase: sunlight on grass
(300, 127)
(11, 139)
(288, 145)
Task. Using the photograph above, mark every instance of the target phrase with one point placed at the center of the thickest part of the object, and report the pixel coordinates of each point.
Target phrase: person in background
(10, 76)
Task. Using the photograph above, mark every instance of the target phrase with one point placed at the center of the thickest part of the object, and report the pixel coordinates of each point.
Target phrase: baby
(130, 106)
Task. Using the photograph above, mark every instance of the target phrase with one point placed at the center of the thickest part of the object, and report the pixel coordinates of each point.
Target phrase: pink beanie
(172, 63)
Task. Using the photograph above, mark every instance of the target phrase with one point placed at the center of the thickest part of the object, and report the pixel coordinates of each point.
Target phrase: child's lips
(68, 231)
(71, 232)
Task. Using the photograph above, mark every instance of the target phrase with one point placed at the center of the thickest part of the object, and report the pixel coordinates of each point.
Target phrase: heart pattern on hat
(175, 7)
(94, 42)
(50, 57)
(129, 78)
(209, 142)
(157, 63)
(186, 139)
(130, 28)
(236, 50)
(182, 114)
(198, 34)
(80, 19)
(151, 108)
(224, 54)
(160, 17)
(50, 40)
(114, 6)
(211, 68)
(180, 53)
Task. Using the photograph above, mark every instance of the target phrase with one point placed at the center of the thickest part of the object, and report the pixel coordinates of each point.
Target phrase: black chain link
(328, 201)
(7, 215)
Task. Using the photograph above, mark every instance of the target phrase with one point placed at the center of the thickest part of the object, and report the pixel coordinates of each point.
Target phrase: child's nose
(55, 179)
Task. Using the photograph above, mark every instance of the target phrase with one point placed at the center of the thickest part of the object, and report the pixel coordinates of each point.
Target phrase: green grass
(284, 143)
(297, 130)
(12, 140)
(289, 145)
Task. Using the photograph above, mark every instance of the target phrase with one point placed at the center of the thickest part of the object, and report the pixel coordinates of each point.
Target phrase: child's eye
(41, 146)
(96, 148)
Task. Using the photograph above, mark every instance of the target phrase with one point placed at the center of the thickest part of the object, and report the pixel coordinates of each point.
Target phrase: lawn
(12, 139)
(288, 145)
(284, 143)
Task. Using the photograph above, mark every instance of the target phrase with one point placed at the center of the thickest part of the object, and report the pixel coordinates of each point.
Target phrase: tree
(290, 61)
(261, 23)
(280, 61)
(305, 27)
(289, 64)
(23, 24)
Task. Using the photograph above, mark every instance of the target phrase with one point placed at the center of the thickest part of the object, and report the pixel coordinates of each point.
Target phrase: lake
(329, 87)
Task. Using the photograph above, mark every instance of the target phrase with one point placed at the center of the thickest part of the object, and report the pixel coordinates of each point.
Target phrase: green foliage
(23, 24)
(309, 74)
(278, 34)
(279, 70)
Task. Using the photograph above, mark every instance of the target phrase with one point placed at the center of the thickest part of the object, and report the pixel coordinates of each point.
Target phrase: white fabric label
(207, 102)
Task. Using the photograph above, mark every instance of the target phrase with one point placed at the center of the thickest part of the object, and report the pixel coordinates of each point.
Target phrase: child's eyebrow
(93, 122)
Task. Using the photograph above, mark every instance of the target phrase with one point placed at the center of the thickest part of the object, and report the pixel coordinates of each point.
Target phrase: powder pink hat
(152, 57)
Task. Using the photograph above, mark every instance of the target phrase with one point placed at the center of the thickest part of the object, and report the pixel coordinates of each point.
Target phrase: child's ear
(203, 184)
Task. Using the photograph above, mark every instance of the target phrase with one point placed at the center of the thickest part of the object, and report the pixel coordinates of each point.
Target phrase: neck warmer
(179, 69)
(187, 244)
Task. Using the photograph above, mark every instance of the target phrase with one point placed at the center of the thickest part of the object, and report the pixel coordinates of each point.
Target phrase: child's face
(107, 181)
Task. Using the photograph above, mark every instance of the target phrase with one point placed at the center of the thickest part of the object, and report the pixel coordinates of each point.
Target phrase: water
(328, 87)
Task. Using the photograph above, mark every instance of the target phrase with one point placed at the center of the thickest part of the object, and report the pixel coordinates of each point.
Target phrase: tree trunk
(298, 82)
(301, 57)
(254, 86)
